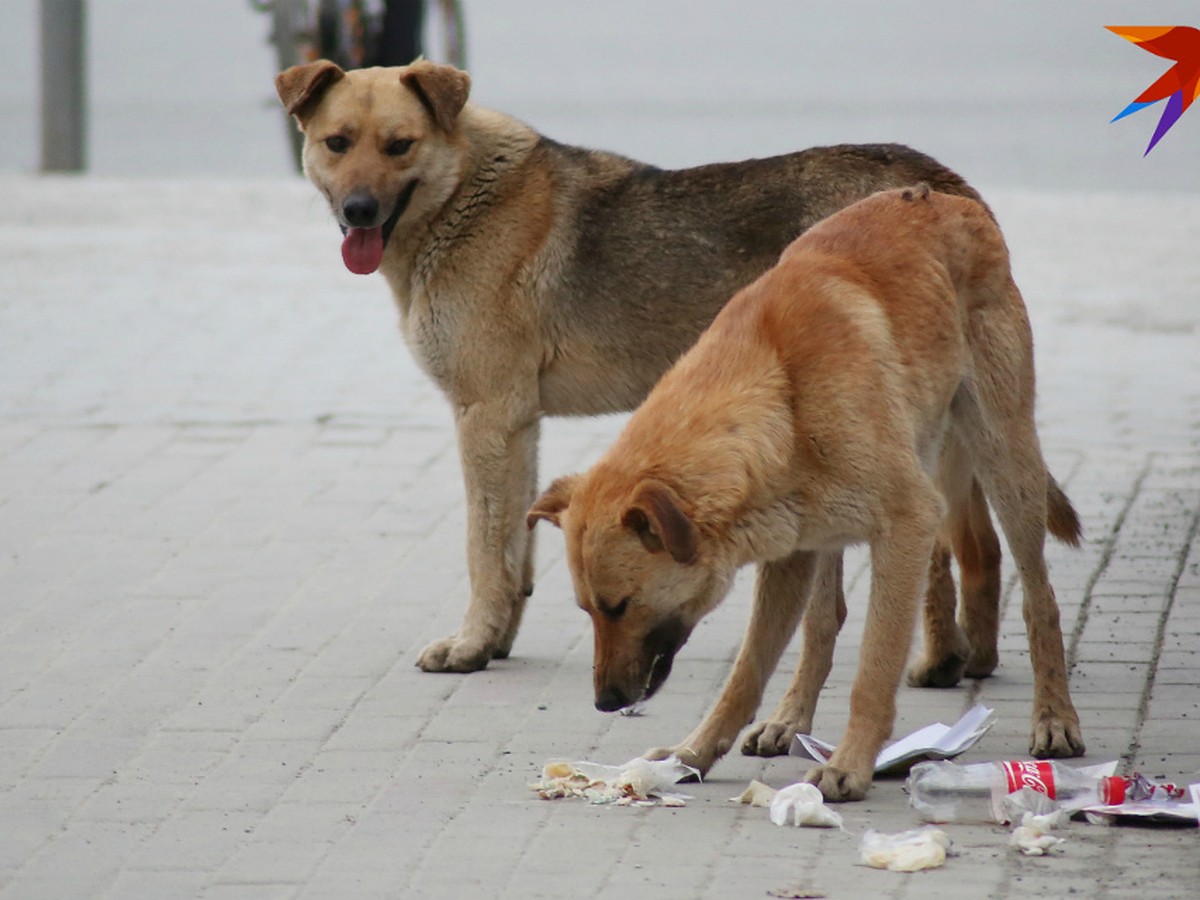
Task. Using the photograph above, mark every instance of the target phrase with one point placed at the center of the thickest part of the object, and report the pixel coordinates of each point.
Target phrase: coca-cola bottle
(948, 792)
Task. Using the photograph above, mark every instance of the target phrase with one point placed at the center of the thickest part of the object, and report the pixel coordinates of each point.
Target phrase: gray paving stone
(228, 527)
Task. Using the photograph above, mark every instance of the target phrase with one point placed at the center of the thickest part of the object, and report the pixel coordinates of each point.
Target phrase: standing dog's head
(641, 571)
(381, 144)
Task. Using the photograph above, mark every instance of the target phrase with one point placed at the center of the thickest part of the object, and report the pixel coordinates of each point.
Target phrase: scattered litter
(1002, 791)
(908, 851)
(1150, 803)
(1032, 837)
(796, 893)
(640, 782)
(802, 804)
(936, 741)
(756, 794)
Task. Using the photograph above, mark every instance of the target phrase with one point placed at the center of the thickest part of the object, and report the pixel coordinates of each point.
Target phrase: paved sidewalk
(230, 516)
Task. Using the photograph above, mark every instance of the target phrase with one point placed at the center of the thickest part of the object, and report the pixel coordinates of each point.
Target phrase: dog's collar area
(401, 205)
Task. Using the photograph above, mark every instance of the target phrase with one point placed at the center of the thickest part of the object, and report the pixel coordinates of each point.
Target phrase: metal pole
(64, 88)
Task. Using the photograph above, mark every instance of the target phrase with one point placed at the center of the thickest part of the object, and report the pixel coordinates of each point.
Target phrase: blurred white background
(1015, 94)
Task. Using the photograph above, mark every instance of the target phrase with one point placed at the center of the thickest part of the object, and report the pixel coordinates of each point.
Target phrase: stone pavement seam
(1143, 708)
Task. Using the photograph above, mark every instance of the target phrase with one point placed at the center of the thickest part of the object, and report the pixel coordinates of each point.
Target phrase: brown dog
(534, 279)
(853, 393)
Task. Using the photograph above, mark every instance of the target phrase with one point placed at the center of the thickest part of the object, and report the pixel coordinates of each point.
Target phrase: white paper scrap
(936, 741)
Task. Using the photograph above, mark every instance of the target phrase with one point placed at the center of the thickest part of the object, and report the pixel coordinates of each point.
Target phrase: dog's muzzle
(362, 249)
(658, 655)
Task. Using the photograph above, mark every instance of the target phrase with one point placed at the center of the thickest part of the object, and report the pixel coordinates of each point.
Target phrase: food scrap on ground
(1032, 837)
(639, 782)
(907, 851)
(756, 794)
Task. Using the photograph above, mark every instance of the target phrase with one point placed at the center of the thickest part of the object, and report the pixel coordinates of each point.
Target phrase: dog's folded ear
(656, 516)
(551, 504)
(300, 87)
(442, 89)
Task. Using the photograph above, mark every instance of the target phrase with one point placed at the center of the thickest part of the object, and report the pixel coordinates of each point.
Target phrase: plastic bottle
(948, 792)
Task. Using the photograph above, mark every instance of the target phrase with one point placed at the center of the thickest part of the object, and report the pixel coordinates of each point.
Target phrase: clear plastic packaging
(948, 792)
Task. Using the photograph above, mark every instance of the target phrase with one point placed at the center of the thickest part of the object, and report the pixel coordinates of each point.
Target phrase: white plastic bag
(803, 804)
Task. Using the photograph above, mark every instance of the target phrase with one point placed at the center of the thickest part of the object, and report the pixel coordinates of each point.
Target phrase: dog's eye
(337, 143)
(399, 147)
(615, 612)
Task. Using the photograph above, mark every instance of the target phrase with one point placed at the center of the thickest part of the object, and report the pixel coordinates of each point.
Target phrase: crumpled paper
(907, 851)
(1032, 837)
(801, 804)
(639, 782)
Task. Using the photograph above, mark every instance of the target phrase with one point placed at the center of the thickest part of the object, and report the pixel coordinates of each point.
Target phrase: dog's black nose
(361, 210)
(611, 699)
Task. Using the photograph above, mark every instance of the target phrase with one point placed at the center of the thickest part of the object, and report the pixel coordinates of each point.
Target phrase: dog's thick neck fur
(723, 488)
(419, 246)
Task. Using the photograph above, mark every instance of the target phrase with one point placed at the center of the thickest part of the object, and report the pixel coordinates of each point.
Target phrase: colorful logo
(1179, 85)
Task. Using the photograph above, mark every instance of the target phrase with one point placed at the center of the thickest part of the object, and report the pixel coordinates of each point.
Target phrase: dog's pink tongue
(362, 250)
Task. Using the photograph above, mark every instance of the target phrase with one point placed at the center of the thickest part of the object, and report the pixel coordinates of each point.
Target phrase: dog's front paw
(774, 737)
(1056, 736)
(454, 654)
(701, 760)
(837, 785)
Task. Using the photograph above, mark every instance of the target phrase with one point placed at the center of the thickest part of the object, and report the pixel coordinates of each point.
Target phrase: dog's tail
(1061, 518)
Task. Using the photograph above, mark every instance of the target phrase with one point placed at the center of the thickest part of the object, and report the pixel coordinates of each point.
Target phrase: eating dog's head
(382, 145)
(641, 572)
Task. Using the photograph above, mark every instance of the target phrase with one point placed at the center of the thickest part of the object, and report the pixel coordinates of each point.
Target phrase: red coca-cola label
(1038, 776)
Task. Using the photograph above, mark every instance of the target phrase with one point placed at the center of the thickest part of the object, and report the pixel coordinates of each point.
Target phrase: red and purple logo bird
(1179, 85)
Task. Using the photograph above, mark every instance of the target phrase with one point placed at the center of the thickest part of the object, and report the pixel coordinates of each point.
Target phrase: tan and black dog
(853, 394)
(535, 279)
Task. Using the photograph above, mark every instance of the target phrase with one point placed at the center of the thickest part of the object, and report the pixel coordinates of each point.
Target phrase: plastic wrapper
(802, 804)
(797, 804)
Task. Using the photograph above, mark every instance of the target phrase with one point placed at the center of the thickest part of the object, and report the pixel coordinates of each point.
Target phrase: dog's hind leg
(1017, 489)
(995, 420)
(824, 616)
(977, 548)
(780, 593)
(969, 645)
(944, 650)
